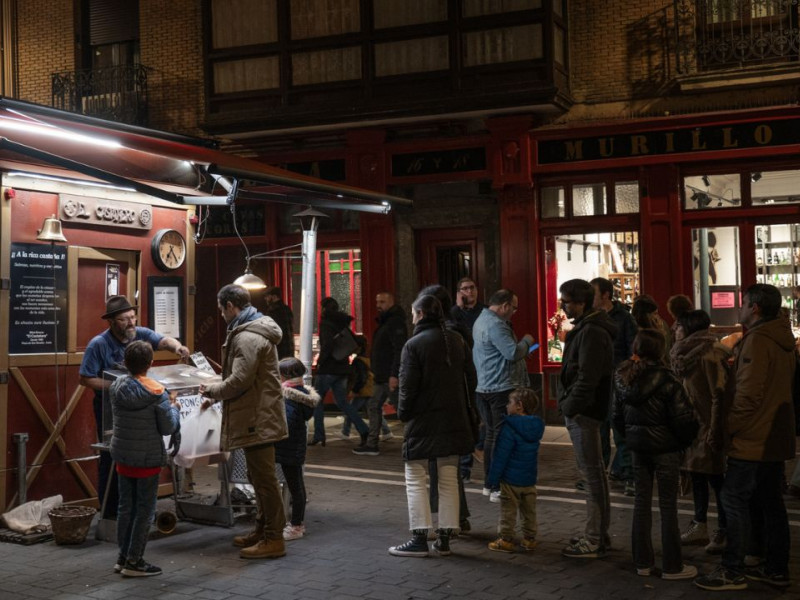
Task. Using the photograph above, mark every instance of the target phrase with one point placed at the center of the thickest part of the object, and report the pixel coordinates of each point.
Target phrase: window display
(778, 260)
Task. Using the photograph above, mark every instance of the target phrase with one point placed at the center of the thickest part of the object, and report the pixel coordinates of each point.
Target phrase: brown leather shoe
(264, 549)
(245, 541)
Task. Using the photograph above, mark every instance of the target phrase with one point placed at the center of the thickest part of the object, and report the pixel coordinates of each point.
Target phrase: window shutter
(112, 21)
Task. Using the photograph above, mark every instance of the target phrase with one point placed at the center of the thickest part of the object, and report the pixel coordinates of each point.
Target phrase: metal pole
(705, 293)
(308, 304)
(21, 440)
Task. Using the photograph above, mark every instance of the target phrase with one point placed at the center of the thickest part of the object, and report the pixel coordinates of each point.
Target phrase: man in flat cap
(107, 351)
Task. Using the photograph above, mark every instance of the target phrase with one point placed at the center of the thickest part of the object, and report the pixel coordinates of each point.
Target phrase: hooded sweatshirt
(515, 459)
(761, 417)
(299, 402)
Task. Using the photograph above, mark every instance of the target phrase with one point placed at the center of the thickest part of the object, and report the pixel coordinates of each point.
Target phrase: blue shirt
(107, 352)
(498, 357)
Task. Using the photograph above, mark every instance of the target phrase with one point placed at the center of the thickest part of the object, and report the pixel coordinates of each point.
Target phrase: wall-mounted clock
(168, 249)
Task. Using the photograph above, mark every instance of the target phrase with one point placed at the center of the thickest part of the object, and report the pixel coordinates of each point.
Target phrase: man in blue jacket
(500, 361)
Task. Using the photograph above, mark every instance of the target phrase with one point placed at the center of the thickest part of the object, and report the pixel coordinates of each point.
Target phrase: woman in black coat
(436, 371)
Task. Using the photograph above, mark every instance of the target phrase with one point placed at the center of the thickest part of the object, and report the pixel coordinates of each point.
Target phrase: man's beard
(130, 334)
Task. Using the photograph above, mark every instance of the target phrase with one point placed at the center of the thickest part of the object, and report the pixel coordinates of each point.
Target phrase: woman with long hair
(701, 362)
(651, 407)
(436, 371)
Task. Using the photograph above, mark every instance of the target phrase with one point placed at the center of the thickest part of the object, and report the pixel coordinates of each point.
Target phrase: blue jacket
(300, 403)
(497, 355)
(143, 415)
(515, 459)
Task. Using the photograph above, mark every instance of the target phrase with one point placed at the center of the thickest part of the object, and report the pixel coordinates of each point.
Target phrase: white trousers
(419, 507)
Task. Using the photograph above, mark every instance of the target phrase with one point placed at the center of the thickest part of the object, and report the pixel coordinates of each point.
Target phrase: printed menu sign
(38, 311)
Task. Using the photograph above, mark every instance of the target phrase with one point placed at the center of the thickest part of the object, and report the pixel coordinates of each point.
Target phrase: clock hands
(172, 252)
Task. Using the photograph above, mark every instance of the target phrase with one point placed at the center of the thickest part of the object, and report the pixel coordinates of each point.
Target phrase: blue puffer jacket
(300, 403)
(142, 416)
(515, 459)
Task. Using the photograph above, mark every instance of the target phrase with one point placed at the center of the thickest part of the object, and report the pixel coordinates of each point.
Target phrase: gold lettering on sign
(670, 139)
(727, 138)
(697, 143)
(639, 145)
(606, 147)
(574, 150)
(763, 134)
(104, 211)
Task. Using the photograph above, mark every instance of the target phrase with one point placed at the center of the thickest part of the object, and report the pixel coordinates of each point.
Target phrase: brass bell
(51, 231)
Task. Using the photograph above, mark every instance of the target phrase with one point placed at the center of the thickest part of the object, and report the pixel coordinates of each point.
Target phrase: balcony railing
(113, 93)
(724, 34)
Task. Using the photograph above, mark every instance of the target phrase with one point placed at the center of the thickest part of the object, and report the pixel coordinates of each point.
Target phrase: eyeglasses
(465, 288)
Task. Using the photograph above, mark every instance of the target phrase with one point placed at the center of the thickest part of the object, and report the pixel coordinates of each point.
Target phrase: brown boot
(264, 549)
(245, 541)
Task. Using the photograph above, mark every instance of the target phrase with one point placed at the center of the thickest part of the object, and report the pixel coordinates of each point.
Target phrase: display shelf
(626, 286)
(778, 261)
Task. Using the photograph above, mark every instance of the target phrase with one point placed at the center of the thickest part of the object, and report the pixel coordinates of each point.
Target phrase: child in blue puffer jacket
(514, 467)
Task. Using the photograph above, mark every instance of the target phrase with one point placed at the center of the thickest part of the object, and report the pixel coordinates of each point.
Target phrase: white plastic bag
(200, 433)
(31, 517)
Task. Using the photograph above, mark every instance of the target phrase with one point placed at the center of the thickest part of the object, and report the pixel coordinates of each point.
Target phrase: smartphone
(532, 348)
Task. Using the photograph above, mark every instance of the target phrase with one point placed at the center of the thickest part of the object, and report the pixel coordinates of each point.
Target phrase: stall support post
(308, 304)
(21, 440)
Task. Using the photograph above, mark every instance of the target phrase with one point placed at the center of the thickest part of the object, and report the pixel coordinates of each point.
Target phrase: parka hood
(528, 427)
(775, 330)
(685, 354)
(596, 317)
(264, 327)
(309, 397)
(132, 394)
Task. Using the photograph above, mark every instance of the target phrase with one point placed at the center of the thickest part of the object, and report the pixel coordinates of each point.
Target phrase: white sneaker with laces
(687, 572)
(385, 437)
(486, 491)
(293, 532)
(494, 497)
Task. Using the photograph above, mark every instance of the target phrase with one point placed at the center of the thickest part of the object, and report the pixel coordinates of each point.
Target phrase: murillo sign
(777, 132)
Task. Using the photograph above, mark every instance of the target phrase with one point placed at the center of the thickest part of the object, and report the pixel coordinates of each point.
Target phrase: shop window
(778, 261)
(775, 187)
(612, 255)
(626, 197)
(588, 200)
(553, 203)
(703, 192)
(717, 276)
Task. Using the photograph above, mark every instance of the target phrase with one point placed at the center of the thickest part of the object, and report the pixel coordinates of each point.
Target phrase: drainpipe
(21, 440)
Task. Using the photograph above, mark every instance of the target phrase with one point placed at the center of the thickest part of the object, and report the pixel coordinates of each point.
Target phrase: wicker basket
(71, 523)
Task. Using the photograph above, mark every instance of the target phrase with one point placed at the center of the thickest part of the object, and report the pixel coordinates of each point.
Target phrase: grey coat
(141, 419)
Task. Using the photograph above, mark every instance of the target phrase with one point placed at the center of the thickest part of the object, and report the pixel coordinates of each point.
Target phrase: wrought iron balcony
(727, 34)
(114, 93)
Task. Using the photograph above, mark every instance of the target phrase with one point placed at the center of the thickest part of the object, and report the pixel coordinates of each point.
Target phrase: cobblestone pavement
(357, 509)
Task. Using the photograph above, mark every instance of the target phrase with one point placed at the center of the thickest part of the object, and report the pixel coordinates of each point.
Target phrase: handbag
(344, 344)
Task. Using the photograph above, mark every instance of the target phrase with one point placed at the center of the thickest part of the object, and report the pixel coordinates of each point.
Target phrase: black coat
(387, 343)
(626, 331)
(588, 367)
(330, 325)
(654, 412)
(283, 316)
(433, 394)
(300, 403)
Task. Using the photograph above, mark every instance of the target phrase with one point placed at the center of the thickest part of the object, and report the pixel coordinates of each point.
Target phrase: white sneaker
(487, 491)
(293, 532)
(494, 497)
(687, 572)
(342, 436)
(385, 437)
(696, 534)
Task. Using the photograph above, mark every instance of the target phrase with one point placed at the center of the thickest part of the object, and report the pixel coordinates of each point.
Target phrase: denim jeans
(137, 508)
(375, 412)
(358, 403)
(492, 409)
(666, 469)
(700, 483)
(337, 384)
(753, 490)
(419, 508)
(515, 499)
(585, 435)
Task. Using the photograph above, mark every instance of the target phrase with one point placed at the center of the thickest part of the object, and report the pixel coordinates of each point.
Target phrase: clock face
(169, 249)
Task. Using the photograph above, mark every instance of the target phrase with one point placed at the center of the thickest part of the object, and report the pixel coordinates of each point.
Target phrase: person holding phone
(467, 309)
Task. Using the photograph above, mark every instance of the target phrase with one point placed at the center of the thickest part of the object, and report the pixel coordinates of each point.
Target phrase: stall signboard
(38, 307)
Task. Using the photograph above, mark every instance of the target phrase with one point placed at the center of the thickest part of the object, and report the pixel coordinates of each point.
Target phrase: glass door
(716, 273)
